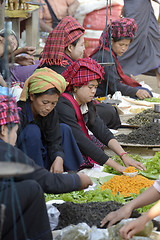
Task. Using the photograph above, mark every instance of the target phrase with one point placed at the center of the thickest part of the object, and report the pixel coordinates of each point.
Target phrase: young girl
(78, 111)
(68, 47)
(114, 42)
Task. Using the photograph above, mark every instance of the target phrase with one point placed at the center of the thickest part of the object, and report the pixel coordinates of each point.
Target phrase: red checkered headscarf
(8, 110)
(65, 33)
(120, 29)
(82, 71)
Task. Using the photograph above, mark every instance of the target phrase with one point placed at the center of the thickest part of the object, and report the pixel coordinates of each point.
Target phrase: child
(78, 111)
(118, 36)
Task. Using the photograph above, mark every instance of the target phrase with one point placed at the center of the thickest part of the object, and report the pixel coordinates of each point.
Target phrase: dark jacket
(67, 115)
(112, 77)
(50, 182)
(49, 126)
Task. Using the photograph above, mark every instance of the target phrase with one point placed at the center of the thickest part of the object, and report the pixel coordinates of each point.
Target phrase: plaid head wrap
(82, 71)
(42, 80)
(8, 110)
(66, 32)
(120, 29)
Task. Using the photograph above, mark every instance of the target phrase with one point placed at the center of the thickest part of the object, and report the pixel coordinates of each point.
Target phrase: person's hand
(85, 180)
(57, 166)
(24, 60)
(29, 50)
(133, 227)
(116, 216)
(120, 168)
(130, 162)
(142, 94)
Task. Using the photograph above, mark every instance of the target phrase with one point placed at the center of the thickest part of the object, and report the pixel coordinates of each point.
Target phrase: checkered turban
(82, 71)
(8, 110)
(65, 33)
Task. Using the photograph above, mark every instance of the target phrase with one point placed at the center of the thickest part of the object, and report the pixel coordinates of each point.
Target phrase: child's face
(78, 50)
(120, 46)
(87, 92)
(13, 42)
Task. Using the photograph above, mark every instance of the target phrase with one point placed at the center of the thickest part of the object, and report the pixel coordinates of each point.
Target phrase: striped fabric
(42, 80)
(82, 71)
(120, 29)
(8, 110)
(66, 32)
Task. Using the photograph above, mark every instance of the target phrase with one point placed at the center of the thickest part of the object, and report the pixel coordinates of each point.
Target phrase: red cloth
(79, 115)
(66, 32)
(124, 78)
(82, 71)
(8, 110)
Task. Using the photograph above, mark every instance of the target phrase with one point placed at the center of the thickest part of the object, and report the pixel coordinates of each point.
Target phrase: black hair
(50, 91)
(74, 43)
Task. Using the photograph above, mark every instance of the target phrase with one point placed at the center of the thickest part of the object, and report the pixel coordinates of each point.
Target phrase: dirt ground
(150, 80)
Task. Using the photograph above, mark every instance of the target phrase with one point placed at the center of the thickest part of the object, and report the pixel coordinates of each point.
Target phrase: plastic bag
(98, 234)
(74, 232)
(53, 215)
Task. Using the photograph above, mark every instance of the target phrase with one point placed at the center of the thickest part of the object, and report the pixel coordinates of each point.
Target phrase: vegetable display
(125, 185)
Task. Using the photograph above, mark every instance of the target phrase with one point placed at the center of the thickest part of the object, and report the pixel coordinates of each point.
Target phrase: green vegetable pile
(152, 99)
(98, 195)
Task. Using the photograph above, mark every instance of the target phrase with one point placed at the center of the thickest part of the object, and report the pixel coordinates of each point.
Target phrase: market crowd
(54, 123)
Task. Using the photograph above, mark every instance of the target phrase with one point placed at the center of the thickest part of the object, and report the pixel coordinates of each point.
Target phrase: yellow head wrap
(42, 80)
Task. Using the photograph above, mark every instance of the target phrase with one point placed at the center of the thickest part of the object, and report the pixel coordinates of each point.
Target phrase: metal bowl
(157, 108)
(156, 120)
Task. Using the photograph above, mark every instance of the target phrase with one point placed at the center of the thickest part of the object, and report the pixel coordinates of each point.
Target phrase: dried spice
(125, 185)
(130, 170)
(90, 213)
(143, 118)
(149, 134)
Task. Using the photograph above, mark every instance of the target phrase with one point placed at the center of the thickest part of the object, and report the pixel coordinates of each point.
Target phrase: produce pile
(149, 134)
(143, 118)
(90, 213)
(125, 185)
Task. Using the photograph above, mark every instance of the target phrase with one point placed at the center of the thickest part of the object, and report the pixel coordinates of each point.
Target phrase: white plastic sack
(53, 215)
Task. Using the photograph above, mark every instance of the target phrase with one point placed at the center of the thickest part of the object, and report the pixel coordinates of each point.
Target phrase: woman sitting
(68, 47)
(114, 42)
(78, 111)
(39, 134)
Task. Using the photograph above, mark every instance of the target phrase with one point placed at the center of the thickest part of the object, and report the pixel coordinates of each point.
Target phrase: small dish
(131, 174)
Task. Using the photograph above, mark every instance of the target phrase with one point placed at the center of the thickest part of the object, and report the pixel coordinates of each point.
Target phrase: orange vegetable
(125, 185)
(130, 170)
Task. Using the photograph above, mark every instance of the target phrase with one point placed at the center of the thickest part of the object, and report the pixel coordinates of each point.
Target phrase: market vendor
(68, 47)
(149, 196)
(23, 196)
(114, 42)
(77, 109)
(40, 136)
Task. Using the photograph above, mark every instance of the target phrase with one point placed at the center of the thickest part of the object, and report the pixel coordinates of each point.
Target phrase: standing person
(68, 47)
(78, 111)
(52, 12)
(143, 54)
(118, 36)
(28, 216)
(39, 134)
